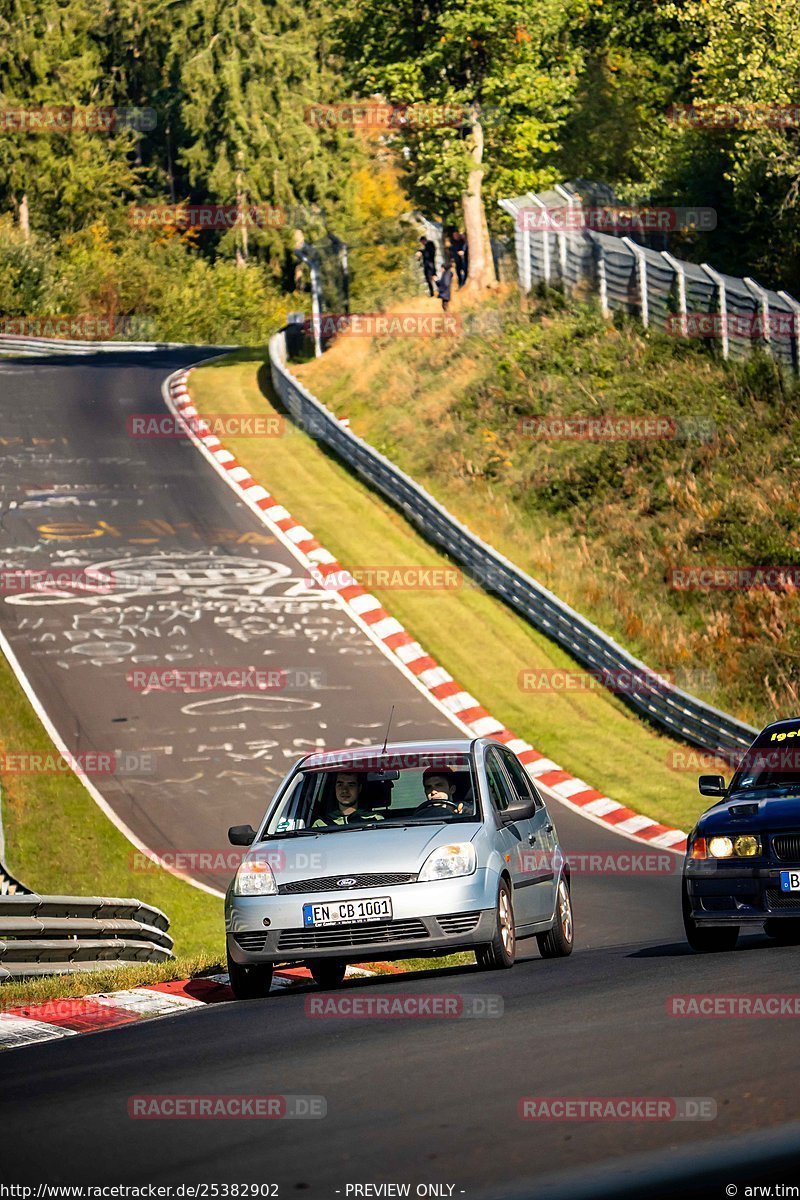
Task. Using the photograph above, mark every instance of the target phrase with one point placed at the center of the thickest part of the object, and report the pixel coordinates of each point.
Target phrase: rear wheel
(327, 972)
(500, 953)
(706, 941)
(557, 942)
(249, 983)
(785, 933)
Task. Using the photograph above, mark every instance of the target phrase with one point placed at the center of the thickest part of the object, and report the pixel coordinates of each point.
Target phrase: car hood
(771, 813)
(369, 850)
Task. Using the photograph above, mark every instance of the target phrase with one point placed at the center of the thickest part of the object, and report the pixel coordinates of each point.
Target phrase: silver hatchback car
(412, 849)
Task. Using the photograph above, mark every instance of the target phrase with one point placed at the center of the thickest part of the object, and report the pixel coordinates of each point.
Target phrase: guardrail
(46, 935)
(21, 345)
(554, 245)
(669, 707)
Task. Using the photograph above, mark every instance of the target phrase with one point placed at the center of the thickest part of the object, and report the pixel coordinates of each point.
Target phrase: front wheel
(327, 972)
(500, 953)
(715, 940)
(557, 942)
(249, 983)
(784, 932)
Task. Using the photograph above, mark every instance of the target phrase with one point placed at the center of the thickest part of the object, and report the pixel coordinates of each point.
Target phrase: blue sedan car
(742, 866)
(406, 850)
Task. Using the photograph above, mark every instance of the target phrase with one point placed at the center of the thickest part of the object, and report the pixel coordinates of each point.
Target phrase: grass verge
(89, 983)
(476, 637)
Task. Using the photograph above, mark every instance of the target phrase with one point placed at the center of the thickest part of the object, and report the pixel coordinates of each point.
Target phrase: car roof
(776, 726)
(353, 756)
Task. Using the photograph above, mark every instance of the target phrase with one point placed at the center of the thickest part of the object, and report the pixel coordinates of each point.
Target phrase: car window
(396, 794)
(520, 778)
(499, 786)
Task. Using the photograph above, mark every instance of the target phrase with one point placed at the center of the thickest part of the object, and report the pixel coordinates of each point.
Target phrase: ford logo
(345, 883)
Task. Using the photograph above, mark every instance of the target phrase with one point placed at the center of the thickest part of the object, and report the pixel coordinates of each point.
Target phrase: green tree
(508, 66)
(48, 57)
(246, 71)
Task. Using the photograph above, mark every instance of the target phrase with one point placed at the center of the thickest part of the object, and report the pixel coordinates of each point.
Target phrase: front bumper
(723, 893)
(428, 919)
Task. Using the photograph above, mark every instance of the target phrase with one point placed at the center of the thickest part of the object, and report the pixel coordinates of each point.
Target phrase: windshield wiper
(766, 787)
(290, 833)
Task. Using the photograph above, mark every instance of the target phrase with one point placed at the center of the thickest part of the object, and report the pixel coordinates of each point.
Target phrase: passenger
(349, 787)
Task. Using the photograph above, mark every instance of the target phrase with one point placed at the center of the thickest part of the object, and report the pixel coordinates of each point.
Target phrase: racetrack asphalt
(418, 1100)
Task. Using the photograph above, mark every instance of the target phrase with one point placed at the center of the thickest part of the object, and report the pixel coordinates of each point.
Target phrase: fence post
(795, 307)
(641, 272)
(526, 254)
(545, 238)
(719, 282)
(602, 281)
(524, 264)
(763, 303)
(680, 275)
(562, 237)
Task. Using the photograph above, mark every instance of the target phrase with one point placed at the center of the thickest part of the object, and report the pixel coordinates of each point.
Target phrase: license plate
(790, 881)
(347, 912)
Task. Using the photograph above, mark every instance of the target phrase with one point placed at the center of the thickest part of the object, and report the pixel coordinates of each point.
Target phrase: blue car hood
(771, 813)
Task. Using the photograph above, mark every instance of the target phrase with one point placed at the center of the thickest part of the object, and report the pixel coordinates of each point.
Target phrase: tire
(558, 941)
(249, 983)
(327, 973)
(715, 940)
(785, 933)
(500, 953)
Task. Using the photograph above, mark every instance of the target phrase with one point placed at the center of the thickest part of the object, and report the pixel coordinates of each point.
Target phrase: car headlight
(448, 862)
(743, 845)
(255, 878)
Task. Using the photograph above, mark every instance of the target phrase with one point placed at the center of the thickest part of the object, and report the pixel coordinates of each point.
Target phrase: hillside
(603, 523)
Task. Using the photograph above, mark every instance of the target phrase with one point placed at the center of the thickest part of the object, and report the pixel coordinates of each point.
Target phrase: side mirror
(520, 810)
(711, 785)
(241, 835)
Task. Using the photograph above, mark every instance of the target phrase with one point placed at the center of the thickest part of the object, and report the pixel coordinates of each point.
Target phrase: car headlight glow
(448, 862)
(743, 845)
(255, 878)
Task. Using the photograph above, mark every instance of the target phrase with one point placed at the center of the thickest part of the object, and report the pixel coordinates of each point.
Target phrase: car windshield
(768, 767)
(371, 794)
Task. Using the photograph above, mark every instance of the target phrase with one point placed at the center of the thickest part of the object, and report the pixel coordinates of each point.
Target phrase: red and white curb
(406, 653)
(51, 1019)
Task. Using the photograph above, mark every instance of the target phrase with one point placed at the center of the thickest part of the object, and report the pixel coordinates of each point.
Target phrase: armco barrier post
(572, 202)
(545, 238)
(641, 274)
(795, 307)
(680, 275)
(719, 282)
(602, 281)
(763, 304)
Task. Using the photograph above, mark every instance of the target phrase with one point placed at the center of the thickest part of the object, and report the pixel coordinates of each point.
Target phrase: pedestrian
(444, 284)
(427, 256)
(458, 249)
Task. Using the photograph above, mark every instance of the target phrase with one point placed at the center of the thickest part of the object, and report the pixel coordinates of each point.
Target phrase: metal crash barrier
(46, 935)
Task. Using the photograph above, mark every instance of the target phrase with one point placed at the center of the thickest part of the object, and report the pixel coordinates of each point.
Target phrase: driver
(440, 793)
(348, 793)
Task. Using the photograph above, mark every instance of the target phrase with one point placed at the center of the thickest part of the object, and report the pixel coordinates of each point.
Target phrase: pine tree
(57, 180)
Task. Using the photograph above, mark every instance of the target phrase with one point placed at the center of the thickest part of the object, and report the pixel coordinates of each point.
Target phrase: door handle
(549, 828)
(531, 838)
